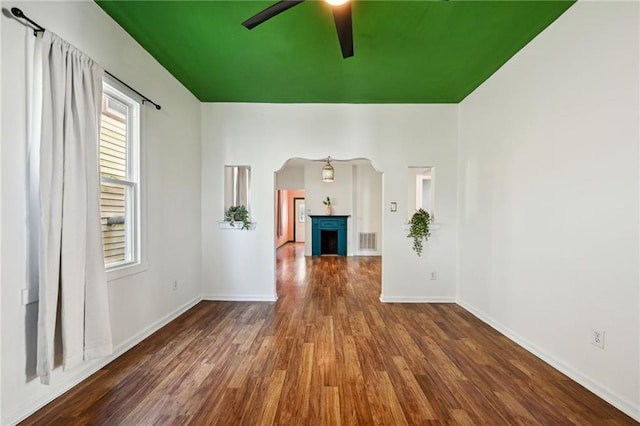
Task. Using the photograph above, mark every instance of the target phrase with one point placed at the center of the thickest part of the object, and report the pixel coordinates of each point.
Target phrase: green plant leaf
(419, 229)
(239, 214)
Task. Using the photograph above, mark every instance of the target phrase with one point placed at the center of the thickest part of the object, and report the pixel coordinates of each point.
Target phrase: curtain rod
(38, 28)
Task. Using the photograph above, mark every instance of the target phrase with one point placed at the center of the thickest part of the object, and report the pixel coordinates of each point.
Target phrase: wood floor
(327, 353)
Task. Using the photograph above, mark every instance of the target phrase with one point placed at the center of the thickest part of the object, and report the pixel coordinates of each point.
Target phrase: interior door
(299, 222)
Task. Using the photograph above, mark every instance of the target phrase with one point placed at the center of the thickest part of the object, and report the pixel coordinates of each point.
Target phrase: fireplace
(329, 235)
(328, 241)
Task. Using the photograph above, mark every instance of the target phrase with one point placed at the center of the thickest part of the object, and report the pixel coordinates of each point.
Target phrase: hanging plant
(237, 214)
(419, 229)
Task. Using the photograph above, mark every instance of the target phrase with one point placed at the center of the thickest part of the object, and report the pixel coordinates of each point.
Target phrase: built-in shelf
(237, 226)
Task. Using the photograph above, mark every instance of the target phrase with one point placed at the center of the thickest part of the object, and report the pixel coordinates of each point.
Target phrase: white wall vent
(367, 241)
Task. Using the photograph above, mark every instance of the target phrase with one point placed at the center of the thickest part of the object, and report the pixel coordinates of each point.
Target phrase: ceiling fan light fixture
(327, 171)
(336, 2)
(341, 10)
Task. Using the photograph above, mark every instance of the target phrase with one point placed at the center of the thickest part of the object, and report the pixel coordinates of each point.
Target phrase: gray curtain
(70, 260)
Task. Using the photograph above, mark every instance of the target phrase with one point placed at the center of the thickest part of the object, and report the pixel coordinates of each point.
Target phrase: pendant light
(327, 171)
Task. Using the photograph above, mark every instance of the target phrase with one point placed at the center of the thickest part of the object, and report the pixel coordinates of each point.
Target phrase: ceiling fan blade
(270, 12)
(342, 17)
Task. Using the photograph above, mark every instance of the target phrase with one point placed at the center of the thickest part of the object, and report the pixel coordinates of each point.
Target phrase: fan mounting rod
(341, 10)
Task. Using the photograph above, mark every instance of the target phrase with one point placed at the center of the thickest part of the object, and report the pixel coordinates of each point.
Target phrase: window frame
(136, 198)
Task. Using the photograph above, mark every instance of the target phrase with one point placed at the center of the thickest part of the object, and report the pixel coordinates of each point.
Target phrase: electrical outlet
(175, 285)
(597, 338)
(434, 275)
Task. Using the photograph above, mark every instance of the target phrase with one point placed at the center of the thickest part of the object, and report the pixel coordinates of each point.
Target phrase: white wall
(548, 173)
(546, 178)
(139, 302)
(2, 138)
(356, 191)
(264, 136)
(291, 178)
(367, 206)
(340, 191)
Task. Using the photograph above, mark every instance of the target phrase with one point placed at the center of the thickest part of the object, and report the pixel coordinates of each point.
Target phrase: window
(420, 186)
(237, 186)
(120, 178)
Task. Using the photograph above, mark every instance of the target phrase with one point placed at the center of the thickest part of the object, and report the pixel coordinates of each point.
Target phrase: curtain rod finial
(17, 12)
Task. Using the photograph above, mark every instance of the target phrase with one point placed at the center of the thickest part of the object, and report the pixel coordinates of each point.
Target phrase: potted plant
(237, 214)
(327, 204)
(419, 229)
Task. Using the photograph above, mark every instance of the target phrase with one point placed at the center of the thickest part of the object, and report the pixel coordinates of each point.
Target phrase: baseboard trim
(91, 367)
(417, 299)
(240, 298)
(31, 406)
(621, 404)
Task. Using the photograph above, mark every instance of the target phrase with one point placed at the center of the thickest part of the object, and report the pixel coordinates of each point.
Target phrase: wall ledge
(432, 227)
(236, 226)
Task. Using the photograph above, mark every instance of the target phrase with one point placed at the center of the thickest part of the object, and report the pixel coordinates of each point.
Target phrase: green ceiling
(405, 51)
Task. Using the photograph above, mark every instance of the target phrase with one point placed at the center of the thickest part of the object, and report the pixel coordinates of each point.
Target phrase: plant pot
(328, 210)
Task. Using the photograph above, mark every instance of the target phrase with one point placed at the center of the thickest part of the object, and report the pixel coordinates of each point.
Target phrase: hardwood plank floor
(327, 353)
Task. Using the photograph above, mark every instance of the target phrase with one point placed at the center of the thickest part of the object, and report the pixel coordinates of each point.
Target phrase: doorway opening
(290, 216)
(301, 195)
(300, 219)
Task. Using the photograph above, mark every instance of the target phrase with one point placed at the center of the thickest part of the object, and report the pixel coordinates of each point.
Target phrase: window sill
(126, 270)
(237, 226)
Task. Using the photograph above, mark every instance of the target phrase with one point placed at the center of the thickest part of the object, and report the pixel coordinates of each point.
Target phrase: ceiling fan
(341, 15)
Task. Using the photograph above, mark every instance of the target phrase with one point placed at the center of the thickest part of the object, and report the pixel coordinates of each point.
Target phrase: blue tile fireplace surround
(329, 235)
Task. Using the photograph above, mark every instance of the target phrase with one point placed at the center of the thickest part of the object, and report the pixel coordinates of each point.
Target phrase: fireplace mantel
(321, 223)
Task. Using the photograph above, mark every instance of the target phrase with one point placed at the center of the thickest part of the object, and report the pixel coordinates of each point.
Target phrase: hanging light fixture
(327, 171)
(336, 2)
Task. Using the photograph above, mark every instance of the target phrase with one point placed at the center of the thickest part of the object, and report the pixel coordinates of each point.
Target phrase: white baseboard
(417, 299)
(73, 378)
(621, 404)
(240, 298)
(39, 401)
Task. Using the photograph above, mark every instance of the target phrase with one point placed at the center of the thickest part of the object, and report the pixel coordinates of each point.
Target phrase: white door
(299, 220)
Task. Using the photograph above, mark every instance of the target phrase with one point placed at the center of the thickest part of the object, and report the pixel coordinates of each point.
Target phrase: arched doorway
(356, 193)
